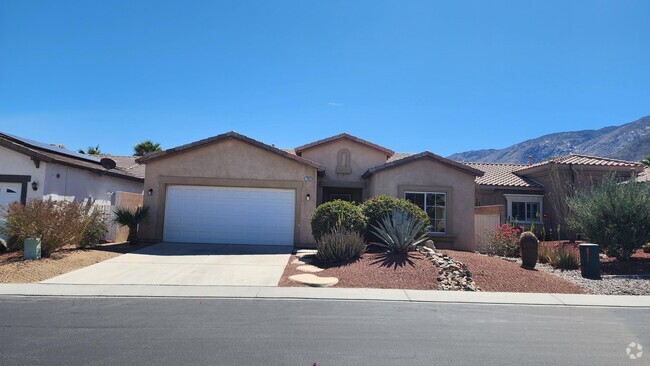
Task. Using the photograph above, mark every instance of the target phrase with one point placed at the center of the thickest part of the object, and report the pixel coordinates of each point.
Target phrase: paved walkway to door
(187, 264)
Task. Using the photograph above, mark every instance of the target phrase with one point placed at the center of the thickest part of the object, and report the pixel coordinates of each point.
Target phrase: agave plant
(131, 219)
(398, 232)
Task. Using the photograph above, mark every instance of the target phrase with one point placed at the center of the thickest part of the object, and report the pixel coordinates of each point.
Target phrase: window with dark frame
(435, 205)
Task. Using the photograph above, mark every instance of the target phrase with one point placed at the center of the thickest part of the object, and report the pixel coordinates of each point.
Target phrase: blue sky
(410, 75)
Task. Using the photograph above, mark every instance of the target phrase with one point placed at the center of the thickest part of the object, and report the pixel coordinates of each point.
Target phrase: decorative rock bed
(452, 274)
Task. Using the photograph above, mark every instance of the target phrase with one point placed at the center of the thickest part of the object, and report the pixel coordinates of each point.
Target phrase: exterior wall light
(34, 186)
(150, 191)
(308, 196)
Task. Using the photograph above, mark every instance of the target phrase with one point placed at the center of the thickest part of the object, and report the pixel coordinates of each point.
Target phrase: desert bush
(337, 213)
(565, 258)
(57, 223)
(340, 244)
(616, 216)
(545, 254)
(131, 218)
(504, 241)
(399, 232)
(377, 208)
(95, 229)
(646, 248)
(529, 246)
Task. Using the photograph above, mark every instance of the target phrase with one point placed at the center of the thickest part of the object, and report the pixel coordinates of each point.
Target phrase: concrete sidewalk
(261, 292)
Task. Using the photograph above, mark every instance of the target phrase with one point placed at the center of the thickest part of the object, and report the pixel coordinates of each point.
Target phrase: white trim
(425, 206)
(532, 198)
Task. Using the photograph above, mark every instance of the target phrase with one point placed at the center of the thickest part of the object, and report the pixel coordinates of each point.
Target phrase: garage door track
(187, 264)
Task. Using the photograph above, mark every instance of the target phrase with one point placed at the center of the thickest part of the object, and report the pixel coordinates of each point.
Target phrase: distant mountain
(630, 141)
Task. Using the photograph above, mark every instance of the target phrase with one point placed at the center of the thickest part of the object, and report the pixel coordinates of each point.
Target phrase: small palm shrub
(646, 248)
(57, 223)
(337, 213)
(504, 241)
(399, 232)
(95, 229)
(339, 245)
(529, 247)
(131, 218)
(564, 258)
(377, 208)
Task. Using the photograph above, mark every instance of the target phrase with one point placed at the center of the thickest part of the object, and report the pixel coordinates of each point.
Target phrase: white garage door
(9, 193)
(229, 215)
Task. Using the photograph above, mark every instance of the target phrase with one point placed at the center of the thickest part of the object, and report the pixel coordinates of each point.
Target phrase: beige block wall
(230, 163)
(362, 158)
(428, 175)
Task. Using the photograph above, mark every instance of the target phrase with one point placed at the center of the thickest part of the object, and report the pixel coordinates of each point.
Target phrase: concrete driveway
(187, 264)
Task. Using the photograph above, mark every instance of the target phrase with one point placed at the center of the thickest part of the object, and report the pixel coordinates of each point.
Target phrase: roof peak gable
(344, 136)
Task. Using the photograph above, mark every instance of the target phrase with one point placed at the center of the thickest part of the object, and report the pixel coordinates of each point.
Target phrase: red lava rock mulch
(375, 270)
(496, 274)
(639, 264)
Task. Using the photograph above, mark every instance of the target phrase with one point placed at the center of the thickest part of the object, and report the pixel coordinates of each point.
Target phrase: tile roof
(584, 160)
(228, 135)
(502, 175)
(398, 156)
(424, 155)
(128, 165)
(341, 136)
(57, 155)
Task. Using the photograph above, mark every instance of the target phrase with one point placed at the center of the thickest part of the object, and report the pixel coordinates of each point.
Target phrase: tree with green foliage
(614, 215)
(91, 150)
(646, 161)
(144, 147)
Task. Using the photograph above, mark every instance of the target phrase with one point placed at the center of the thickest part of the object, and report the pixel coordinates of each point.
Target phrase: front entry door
(339, 193)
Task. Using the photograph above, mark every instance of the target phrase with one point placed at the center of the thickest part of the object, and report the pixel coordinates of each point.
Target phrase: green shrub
(646, 248)
(57, 223)
(95, 229)
(563, 258)
(615, 216)
(336, 213)
(341, 244)
(377, 208)
(399, 232)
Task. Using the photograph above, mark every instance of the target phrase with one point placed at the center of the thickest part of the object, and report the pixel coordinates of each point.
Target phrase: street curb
(305, 293)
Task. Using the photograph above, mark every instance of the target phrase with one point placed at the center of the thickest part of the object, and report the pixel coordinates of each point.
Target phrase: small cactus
(529, 244)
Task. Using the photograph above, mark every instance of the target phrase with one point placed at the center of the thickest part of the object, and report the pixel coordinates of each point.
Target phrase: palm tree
(131, 219)
(91, 150)
(646, 161)
(145, 147)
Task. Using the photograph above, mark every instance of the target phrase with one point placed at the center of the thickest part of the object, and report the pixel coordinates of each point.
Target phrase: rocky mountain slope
(630, 141)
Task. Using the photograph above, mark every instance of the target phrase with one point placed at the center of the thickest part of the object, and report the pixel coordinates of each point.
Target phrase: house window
(524, 208)
(435, 205)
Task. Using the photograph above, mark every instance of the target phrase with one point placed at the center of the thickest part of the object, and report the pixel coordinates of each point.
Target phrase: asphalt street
(176, 331)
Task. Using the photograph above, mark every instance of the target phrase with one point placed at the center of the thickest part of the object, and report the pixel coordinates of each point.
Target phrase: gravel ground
(497, 274)
(15, 270)
(607, 286)
(375, 270)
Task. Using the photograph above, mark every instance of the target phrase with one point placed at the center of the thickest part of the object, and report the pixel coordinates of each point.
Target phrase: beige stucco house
(236, 190)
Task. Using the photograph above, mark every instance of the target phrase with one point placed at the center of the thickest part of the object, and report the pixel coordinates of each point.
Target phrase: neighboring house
(30, 169)
(235, 190)
(534, 193)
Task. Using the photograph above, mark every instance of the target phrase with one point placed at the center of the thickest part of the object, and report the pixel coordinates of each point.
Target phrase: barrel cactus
(529, 244)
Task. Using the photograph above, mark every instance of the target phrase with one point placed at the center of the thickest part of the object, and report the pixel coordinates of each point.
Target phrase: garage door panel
(229, 215)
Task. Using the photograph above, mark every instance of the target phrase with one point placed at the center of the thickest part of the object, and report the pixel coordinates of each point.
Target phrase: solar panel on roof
(54, 149)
